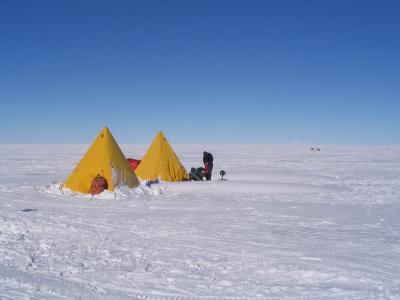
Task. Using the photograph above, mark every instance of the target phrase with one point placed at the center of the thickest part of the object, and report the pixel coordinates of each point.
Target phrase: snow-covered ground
(288, 223)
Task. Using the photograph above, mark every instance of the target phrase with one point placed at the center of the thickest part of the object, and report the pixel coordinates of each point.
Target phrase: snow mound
(57, 188)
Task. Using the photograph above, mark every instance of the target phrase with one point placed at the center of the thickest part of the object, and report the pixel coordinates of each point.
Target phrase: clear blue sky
(251, 71)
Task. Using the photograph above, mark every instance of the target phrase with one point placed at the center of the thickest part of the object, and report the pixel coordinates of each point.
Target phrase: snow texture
(288, 223)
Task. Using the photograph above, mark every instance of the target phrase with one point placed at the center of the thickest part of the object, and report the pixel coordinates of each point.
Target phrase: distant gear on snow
(222, 173)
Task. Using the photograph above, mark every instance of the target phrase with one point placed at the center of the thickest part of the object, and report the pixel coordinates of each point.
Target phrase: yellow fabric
(161, 162)
(103, 158)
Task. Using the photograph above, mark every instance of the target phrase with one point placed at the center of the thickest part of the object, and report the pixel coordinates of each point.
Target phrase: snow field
(287, 224)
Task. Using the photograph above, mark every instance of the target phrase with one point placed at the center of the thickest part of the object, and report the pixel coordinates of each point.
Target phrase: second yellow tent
(161, 162)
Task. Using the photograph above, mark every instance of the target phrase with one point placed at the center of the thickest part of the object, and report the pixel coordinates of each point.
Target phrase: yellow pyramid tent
(103, 158)
(161, 162)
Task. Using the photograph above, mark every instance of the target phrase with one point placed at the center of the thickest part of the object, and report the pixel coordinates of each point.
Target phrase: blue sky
(260, 71)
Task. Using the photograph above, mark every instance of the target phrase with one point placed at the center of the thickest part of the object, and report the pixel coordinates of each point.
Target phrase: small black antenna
(222, 173)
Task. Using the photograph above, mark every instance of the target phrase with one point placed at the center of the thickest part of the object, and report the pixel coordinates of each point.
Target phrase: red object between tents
(133, 163)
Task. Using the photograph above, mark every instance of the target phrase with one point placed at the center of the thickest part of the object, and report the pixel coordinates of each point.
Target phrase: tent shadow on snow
(248, 187)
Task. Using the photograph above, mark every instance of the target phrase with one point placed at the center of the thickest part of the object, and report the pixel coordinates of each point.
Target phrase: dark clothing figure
(197, 174)
(208, 164)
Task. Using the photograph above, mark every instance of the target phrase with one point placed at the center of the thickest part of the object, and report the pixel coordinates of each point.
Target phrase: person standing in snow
(208, 164)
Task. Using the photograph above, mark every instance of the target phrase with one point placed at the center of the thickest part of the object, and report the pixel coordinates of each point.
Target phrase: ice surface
(288, 223)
